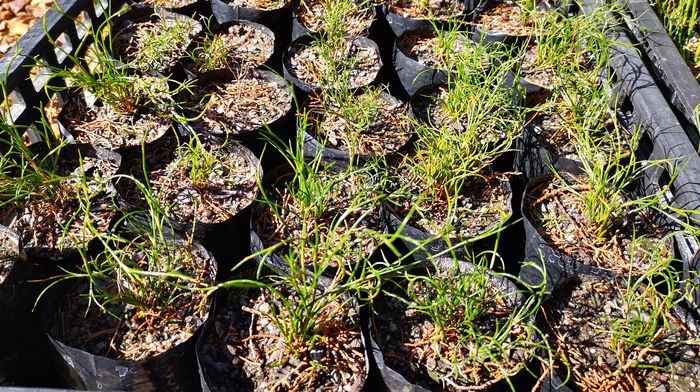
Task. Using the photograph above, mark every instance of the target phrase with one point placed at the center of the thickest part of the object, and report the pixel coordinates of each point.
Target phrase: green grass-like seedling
(351, 116)
(29, 173)
(345, 18)
(311, 190)
(96, 73)
(682, 21)
(311, 293)
(610, 170)
(335, 42)
(479, 326)
(482, 99)
(163, 43)
(200, 161)
(141, 264)
(648, 325)
(212, 53)
(481, 124)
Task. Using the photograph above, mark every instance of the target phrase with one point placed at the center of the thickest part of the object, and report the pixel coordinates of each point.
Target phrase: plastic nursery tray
(23, 82)
(667, 63)
(65, 24)
(641, 97)
(663, 138)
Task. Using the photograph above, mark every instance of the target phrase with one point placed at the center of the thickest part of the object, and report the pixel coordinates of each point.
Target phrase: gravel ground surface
(16, 17)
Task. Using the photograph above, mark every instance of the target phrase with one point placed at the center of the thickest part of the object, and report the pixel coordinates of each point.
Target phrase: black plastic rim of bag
(140, 12)
(306, 88)
(193, 8)
(278, 20)
(438, 245)
(559, 267)
(280, 126)
(531, 88)
(275, 19)
(412, 74)
(395, 380)
(313, 147)
(533, 158)
(400, 24)
(219, 305)
(221, 28)
(172, 370)
(200, 231)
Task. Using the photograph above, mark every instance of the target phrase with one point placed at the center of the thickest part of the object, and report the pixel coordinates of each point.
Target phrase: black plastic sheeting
(667, 62)
(664, 137)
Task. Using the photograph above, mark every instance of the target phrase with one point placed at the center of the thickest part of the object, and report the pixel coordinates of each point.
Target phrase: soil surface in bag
(385, 119)
(263, 5)
(126, 120)
(238, 105)
(169, 3)
(244, 349)
(206, 180)
(355, 64)
(544, 77)
(51, 224)
(142, 333)
(481, 205)
(153, 41)
(415, 9)
(311, 15)
(411, 345)
(579, 321)
(630, 246)
(238, 46)
(288, 229)
(423, 46)
(505, 18)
